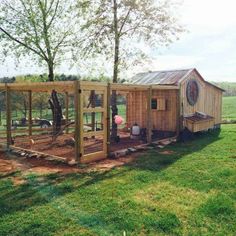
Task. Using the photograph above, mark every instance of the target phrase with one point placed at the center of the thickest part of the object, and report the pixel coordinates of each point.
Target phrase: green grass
(229, 108)
(191, 191)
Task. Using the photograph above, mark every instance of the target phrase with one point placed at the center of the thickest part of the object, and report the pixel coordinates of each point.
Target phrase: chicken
(31, 142)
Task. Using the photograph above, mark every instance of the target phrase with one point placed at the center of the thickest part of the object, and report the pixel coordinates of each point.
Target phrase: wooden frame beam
(178, 113)
(67, 110)
(81, 121)
(108, 119)
(68, 86)
(149, 115)
(77, 120)
(8, 116)
(30, 113)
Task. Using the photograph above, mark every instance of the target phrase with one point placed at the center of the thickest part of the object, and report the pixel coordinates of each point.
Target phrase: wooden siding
(136, 109)
(200, 125)
(209, 100)
(165, 120)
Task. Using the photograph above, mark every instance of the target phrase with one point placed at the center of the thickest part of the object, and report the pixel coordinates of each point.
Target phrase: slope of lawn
(229, 108)
(184, 189)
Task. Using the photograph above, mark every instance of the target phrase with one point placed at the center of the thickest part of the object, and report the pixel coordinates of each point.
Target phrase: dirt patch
(43, 143)
(167, 152)
(112, 163)
(18, 181)
(11, 164)
(8, 166)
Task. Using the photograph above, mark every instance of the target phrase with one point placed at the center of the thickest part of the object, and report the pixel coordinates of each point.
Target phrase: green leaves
(41, 30)
(124, 29)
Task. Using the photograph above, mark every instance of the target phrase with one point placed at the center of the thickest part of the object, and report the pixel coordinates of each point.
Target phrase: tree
(20, 102)
(44, 30)
(113, 27)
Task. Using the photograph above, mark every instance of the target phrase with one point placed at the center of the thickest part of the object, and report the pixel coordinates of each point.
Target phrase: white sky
(208, 46)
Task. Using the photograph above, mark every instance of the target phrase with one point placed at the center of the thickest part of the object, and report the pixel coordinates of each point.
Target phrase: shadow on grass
(156, 161)
(36, 191)
(39, 190)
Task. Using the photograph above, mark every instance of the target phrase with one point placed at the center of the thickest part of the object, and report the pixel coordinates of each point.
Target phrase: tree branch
(125, 19)
(22, 43)
(55, 12)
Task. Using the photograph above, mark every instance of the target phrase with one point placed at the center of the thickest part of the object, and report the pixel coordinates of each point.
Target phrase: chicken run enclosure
(85, 136)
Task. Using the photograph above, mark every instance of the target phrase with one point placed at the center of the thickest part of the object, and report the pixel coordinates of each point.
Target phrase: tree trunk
(54, 103)
(56, 111)
(115, 74)
(50, 71)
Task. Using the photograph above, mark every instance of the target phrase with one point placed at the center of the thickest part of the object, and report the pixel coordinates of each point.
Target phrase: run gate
(92, 122)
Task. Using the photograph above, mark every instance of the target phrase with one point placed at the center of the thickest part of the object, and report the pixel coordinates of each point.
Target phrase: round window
(192, 92)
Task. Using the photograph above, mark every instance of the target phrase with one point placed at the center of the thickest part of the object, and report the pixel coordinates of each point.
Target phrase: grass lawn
(184, 189)
(229, 108)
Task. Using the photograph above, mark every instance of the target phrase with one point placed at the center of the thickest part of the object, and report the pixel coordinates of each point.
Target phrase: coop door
(94, 109)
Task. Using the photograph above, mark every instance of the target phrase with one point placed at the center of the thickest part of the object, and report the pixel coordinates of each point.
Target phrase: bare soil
(167, 152)
(12, 164)
(61, 147)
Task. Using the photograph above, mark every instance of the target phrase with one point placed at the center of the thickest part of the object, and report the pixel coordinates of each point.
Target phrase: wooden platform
(196, 123)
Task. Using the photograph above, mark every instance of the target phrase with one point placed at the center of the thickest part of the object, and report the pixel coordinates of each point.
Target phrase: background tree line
(229, 87)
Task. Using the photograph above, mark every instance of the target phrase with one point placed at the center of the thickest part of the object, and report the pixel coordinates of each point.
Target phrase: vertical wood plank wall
(166, 120)
(161, 120)
(209, 100)
(136, 108)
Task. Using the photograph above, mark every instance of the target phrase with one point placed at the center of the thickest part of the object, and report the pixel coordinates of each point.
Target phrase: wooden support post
(92, 98)
(81, 122)
(30, 114)
(108, 124)
(77, 121)
(67, 110)
(181, 110)
(149, 115)
(178, 112)
(8, 116)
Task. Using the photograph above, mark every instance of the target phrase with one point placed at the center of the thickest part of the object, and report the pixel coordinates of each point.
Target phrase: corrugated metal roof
(167, 77)
(170, 77)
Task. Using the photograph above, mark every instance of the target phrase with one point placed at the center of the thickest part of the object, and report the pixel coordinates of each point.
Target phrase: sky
(208, 45)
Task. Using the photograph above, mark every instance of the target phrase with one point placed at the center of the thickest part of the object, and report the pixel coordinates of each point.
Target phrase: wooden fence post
(178, 112)
(108, 117)
(67, 110)
(149, 115)
(79, 149)
(8, 116)
(81, 121)
(76, 107)
(30, 113)
(181, 110)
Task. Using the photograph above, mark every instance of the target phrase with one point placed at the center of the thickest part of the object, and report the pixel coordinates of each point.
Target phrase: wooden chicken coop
(159, 105)
(200, 101)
